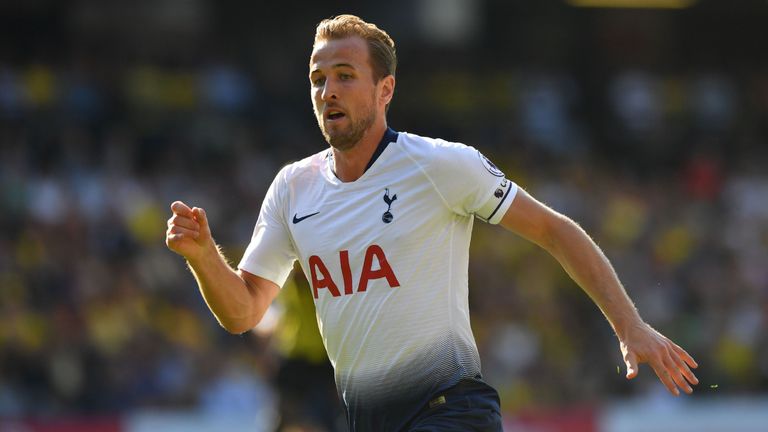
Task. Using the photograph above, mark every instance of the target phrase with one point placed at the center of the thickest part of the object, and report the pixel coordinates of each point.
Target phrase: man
(381, 223)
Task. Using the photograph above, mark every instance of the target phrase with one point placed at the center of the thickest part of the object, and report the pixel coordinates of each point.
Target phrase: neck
(349, 165)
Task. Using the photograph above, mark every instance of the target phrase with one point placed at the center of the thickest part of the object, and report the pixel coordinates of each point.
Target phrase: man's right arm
(237, 299)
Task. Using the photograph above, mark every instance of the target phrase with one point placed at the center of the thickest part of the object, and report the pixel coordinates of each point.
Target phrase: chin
(346, 136)
(341, 140)
(342, 143)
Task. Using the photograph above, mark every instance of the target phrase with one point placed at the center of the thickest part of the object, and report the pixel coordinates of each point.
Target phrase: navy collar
(390, 136)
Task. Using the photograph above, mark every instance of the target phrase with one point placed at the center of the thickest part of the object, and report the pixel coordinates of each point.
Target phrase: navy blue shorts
(468, 406)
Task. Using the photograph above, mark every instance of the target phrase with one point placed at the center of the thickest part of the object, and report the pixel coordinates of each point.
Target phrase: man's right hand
(188, 232)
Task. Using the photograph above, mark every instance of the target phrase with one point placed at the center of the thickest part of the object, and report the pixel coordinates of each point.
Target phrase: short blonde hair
(381, 47)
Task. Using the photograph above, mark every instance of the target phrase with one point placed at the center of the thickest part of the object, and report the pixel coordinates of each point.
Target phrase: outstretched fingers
(665, 377)
(685, 356)
(672, 369)
(684, 363)
(643, 344)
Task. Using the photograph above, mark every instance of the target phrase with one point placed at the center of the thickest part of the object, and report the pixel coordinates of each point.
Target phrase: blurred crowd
(665, 169)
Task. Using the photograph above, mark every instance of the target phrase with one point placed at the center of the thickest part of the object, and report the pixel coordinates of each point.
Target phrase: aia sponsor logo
(321, 278)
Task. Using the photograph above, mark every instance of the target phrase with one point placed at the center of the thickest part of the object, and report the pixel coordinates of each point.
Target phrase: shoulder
(426, 149)
(304, 170)
(436, 153)
(421, 144)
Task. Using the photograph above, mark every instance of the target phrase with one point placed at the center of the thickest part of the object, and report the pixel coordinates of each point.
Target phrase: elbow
(564, 238)
(246, 317)
(557, 233)
(235, 330)
(237, 327)
(251, 310)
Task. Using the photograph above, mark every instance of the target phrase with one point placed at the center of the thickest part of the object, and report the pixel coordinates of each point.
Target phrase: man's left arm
(583, 260)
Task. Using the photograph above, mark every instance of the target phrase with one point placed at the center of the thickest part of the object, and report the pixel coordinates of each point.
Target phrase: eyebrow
(336, 66)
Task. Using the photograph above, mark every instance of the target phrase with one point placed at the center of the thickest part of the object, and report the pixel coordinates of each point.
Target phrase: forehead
(351, 50)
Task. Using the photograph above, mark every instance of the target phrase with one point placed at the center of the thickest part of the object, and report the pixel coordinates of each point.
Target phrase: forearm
(586, 264)
(583, 260)
(236, 306)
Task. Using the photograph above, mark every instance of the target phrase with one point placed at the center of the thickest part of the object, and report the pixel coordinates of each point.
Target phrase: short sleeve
(470, 183)
(271, 254)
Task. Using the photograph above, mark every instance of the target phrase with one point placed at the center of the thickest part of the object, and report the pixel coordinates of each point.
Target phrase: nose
(329, 91)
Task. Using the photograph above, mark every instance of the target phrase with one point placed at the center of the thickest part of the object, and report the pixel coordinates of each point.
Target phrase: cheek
(315, 99)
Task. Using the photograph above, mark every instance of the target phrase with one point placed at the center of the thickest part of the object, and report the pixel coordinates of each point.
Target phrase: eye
(318, 81)
(345, 76)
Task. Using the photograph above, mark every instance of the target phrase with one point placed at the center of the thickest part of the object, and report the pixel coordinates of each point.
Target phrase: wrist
(625, 326)
(205, 254)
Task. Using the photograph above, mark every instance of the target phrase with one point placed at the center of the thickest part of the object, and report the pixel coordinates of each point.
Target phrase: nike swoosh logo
(299, 219)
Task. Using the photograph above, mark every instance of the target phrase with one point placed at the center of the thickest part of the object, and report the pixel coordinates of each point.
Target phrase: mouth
(334, 114)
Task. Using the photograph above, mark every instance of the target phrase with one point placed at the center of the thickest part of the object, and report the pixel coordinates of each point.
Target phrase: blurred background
(645, 121)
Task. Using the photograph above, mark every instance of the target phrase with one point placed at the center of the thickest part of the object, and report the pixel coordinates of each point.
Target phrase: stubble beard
(345, 139)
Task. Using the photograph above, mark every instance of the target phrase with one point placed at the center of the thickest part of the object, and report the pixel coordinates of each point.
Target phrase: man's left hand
(641, 343)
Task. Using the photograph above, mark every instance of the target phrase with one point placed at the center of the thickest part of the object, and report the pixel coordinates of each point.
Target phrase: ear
(387, 89)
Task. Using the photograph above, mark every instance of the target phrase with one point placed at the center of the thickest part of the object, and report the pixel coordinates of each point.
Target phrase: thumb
(631, 361)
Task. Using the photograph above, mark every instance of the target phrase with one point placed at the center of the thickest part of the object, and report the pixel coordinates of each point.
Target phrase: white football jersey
(387, 260)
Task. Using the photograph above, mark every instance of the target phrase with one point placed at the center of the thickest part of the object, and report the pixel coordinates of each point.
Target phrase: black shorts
(468, 406)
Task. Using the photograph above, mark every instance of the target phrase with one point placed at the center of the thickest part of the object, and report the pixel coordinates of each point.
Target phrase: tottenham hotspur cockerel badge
(387, 216)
